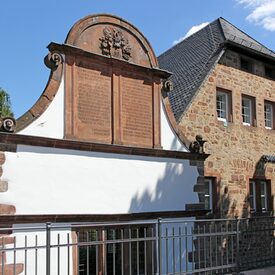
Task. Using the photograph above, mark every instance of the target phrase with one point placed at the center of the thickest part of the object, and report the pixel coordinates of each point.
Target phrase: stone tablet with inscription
(112, 84)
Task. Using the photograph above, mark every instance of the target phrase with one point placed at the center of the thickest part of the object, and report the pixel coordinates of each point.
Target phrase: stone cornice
(11, 140)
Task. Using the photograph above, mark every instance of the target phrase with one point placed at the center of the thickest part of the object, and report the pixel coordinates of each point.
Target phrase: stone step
(9, 269)
(7, 209)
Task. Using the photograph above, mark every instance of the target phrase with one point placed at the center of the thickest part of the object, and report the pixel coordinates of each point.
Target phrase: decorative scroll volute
(7, 124)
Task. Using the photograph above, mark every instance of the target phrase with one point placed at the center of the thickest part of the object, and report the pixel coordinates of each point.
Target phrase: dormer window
(269, 72)
(246, 65)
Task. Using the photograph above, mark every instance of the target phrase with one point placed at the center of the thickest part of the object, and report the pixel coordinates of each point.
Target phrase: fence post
(159, 249)
(48, 248)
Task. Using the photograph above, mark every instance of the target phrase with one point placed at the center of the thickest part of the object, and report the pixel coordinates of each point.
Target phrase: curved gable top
(105, 86)
(112, 36)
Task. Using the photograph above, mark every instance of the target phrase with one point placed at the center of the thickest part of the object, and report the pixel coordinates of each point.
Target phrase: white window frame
(271, 115)
(225, 103)
(264, 195)
(208, 182)
(250, 107)
(252, 195)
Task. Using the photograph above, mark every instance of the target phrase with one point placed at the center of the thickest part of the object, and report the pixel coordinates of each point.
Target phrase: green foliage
(5, 104)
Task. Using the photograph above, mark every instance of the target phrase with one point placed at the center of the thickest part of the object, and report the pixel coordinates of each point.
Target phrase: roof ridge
(253, 39)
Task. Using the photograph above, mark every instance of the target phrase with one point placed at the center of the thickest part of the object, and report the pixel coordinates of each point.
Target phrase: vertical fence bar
(186, 247)
(68, 253)
(48, 248)
(173, 250)
(77, 248)
(36, 251)
(180, 249)
(145, 251)
(114, 252)
(3, 255)
(58, 254)
(122, 251)
(137, 250)
(210, 244)
(159, 247)
(14, 257)
(96, 253)
(166, 249)
(26, 257)
(87, 253)
(130, 251)
(238, 247)
(204, 246)
(154, 243)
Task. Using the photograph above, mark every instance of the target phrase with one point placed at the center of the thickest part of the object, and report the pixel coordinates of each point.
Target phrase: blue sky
(27, 27)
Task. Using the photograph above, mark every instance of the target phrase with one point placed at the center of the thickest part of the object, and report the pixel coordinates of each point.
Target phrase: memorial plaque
(93, 102)
(136, 111)
(112, 81)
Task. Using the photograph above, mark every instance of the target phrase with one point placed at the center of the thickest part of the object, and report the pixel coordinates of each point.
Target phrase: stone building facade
(236, 149)
(232, 107)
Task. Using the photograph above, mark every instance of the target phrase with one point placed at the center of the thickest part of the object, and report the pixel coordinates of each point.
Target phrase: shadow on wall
(173, 190)
(231, 207)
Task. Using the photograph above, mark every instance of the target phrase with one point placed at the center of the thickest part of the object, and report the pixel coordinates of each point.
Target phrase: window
(102, 250)
(246, 65)
(223, 105)
(248, 111)
(268, 115)
(269, 72)
(208, 195)
(252, 195)
(259, 195)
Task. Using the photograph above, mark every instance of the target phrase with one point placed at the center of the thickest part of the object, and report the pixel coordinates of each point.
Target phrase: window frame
(272, 119)
(271, 72)
(209, 185)
(252, 110)
(252, 195)
(256, 196)
(227, 103)
(246, 64)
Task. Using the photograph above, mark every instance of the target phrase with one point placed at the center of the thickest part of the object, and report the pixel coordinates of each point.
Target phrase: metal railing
(162, 247)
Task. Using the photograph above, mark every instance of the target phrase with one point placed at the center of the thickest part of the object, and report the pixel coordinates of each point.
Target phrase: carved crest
(113, 43)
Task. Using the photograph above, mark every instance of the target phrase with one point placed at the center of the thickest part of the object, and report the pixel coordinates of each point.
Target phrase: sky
(27, 27)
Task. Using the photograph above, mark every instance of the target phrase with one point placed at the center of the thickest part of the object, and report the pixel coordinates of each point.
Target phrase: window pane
(268, 115)
(252, 198)
(263, 196)
(221, 101)
(247, 110)
(208, 194)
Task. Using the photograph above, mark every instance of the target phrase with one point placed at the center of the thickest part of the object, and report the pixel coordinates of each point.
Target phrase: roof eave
(250, 50)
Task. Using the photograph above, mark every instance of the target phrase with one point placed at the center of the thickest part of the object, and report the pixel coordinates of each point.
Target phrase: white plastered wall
(57, 181)
(51, 122)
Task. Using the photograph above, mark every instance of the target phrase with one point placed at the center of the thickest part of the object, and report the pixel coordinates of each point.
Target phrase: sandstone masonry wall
(235, 149)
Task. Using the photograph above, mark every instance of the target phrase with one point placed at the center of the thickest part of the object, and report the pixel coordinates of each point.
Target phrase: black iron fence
(175, 246)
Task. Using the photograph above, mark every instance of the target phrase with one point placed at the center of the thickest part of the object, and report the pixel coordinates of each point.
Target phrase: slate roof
(192, 59)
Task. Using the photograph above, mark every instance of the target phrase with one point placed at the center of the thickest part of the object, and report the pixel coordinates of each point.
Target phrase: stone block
(4, 186)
